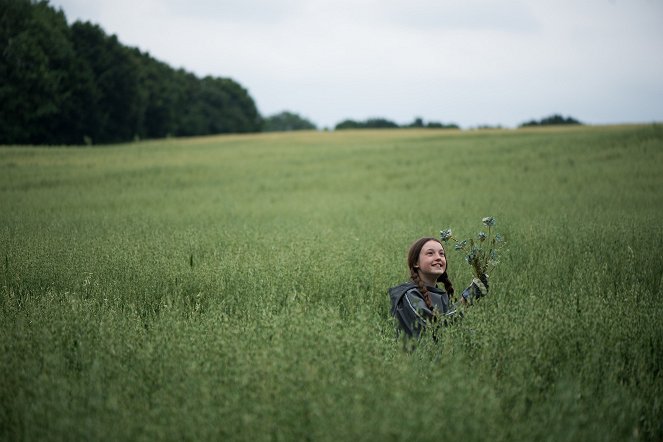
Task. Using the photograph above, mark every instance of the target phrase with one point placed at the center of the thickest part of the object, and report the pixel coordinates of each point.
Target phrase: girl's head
(427, 261)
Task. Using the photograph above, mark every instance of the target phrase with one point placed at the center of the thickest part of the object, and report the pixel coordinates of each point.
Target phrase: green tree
(371, 123)
(438, 125)
(35, 64)
(159, 87)
(552, 120)
(418, 122)
(286, 121)
(347, 124)
(240, 113)
(116, 76)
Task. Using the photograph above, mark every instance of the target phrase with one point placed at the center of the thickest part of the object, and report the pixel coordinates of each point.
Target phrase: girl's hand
(477, 289)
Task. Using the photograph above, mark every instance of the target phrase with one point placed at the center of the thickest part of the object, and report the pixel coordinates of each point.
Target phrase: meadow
(234, 287)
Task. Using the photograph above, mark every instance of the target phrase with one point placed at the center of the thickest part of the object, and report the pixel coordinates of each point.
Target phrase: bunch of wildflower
(481, 252)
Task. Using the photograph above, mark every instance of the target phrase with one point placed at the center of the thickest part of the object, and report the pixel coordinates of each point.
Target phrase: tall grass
(235, 287)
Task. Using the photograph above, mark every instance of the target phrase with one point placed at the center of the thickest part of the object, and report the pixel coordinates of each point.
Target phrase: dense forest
(62, 84)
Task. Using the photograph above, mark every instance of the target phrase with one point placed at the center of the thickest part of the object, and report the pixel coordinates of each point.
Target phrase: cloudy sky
(472, 62)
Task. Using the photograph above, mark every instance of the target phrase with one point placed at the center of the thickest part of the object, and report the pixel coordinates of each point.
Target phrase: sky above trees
(476, 62)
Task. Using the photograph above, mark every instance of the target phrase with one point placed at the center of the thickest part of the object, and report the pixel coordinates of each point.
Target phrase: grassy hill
(234, 287)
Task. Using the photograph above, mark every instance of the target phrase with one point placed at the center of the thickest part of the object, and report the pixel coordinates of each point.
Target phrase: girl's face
(432, 261)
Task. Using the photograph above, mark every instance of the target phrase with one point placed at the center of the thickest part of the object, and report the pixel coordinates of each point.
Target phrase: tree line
(383, 123)
(552, 120)
(62, 84)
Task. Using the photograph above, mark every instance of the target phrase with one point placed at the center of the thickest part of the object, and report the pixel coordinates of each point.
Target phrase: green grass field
(234, 288)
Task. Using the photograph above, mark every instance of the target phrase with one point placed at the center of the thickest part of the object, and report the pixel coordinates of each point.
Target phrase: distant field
(234, 287)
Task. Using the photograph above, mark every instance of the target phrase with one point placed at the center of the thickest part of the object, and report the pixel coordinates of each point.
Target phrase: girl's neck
(430, 282)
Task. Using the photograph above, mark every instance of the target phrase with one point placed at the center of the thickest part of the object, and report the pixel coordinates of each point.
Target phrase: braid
(444, 279)
(422, 288)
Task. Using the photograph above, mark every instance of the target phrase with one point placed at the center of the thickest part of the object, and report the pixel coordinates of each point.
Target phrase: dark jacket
(410, 309)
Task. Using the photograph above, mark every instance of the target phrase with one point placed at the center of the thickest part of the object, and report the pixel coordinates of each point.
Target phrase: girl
(420, 302)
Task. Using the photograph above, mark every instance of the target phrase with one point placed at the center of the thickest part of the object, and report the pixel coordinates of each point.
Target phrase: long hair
(413, 258)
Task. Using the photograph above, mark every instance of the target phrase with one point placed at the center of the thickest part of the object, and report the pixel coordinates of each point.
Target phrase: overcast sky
(472, 62)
